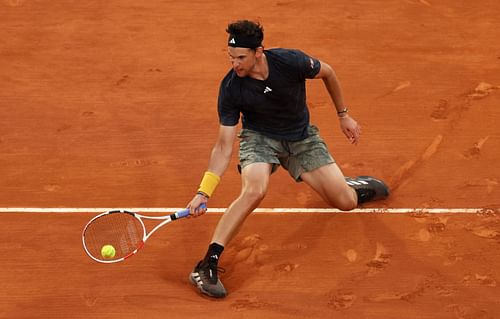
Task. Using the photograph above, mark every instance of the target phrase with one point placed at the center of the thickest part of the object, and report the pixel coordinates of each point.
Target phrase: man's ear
(259, 51)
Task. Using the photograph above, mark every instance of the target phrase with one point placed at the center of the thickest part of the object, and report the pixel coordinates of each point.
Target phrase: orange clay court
(113, 104)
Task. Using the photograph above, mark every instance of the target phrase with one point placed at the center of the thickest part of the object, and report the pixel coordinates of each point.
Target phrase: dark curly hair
(247, 29)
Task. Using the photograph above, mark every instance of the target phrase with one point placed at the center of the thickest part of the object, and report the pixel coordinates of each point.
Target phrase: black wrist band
(202, 194)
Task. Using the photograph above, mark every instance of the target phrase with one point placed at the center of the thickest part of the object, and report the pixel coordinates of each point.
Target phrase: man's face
(242, 60)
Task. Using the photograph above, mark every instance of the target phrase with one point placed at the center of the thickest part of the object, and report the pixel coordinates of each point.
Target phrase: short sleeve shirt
(276, 107)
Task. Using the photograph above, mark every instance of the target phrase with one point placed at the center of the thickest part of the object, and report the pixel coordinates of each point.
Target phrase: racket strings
(121, 230)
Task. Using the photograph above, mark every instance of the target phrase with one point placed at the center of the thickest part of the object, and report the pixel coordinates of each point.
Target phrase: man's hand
(194, 205)
(350, 128)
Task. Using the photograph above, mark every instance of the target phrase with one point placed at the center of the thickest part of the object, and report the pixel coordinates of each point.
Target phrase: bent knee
(253, 195)
(347, 204)
(346, 201)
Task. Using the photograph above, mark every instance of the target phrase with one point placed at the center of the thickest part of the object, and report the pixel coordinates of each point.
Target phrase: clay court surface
(113, 104)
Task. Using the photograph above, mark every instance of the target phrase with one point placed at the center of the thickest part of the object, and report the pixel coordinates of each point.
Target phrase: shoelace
(213, 270)
(215, 267)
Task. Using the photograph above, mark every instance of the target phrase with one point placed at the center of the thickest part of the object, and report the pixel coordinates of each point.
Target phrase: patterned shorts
(296, 157)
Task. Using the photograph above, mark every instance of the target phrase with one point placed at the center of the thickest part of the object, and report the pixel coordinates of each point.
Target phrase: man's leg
(312, 163)
(329, 182)
(255, 179)
(344, 193)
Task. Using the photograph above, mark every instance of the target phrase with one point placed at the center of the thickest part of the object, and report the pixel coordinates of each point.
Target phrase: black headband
(242, 41)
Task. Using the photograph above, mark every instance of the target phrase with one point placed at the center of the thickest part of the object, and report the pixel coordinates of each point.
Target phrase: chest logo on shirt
(267, 90)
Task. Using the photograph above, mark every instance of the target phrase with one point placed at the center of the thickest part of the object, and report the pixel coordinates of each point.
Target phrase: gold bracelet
(344, 110)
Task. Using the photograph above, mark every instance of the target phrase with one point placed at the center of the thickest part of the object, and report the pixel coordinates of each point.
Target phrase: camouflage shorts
(296, 157)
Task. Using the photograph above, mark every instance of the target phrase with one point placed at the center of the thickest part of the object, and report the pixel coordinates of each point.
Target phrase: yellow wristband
(209, 183)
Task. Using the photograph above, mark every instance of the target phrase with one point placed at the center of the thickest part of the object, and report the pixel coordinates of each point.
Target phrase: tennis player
(267, 89)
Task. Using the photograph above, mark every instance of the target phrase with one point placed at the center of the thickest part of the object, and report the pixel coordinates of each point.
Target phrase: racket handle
(185, 212)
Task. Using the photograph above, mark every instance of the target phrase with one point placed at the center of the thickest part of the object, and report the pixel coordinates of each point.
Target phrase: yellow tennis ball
(108, 251)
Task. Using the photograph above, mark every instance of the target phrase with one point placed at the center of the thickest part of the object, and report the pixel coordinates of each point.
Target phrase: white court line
(260, 210)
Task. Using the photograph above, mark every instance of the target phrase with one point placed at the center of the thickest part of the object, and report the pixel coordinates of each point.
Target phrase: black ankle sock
(214, 252)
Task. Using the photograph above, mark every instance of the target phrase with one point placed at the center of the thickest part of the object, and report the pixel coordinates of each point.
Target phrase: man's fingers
(198, 211)
(349, 134)
(352, 135)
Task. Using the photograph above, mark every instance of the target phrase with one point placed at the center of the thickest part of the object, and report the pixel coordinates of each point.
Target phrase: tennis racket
(124, 231)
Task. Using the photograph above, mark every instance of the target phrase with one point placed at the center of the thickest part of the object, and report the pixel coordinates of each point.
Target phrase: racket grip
(185, 212)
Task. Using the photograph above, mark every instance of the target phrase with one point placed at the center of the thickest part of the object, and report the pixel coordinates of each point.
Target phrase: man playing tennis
(267, 88)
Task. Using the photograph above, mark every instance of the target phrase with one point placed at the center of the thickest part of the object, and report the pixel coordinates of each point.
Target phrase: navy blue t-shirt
(276, 107)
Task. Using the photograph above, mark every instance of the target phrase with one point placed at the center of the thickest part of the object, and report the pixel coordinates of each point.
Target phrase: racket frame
(167, 219)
